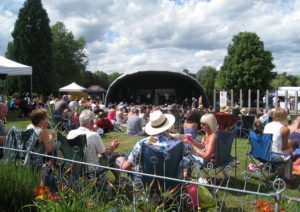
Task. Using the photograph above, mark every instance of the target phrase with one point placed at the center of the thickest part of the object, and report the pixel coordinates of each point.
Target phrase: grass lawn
(233, 199)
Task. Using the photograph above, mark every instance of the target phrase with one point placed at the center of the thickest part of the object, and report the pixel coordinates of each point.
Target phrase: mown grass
(234, 200)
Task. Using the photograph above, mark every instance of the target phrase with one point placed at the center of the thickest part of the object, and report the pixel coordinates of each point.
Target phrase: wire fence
(277, 194)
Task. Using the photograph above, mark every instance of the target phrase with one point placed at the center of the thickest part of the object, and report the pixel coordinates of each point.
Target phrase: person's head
(191, 117)
(65, 98)
(38, 117)
(3, 110)
(86, 118)
(280, 115)
(210, 121)
(159, 123)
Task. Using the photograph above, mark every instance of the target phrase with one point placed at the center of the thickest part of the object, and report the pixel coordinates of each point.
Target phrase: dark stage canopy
(155, 87)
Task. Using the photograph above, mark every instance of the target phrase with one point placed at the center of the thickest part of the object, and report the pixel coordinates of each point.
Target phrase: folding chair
(261, 155)
(73, 149)
(23, 140)
(157, 162)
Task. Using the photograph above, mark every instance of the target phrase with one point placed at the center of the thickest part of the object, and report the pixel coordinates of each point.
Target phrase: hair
(37, 116)
(86, 117)
(210, 120)
(191, 117)
(279, 114)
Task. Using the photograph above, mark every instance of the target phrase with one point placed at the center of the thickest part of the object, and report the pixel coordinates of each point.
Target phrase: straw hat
(224, 108)
(159, 123)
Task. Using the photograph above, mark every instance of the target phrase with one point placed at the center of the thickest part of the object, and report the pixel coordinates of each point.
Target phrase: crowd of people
(156, 124)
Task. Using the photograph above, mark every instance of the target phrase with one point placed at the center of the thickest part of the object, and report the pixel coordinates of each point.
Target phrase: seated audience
(121, 117)
(39, 122)
(104, 123)
(278, 127)
(134, 123)
(95, 146)
(204, 150)
(158, 128)
(190, 125)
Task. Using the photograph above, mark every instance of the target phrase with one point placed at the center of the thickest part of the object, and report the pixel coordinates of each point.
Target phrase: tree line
(58, 58)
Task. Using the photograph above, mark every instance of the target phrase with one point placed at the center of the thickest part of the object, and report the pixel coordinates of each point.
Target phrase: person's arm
(46, 141)
(210, 149)
(285, 132)
(123, 163)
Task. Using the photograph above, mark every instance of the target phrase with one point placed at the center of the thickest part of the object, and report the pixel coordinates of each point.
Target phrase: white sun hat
(159, 123)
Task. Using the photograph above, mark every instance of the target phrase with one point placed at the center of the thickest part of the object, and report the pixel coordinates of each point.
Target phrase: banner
(223, 98)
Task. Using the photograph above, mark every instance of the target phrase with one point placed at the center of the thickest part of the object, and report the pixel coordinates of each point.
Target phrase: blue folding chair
(261, 154)
(161, 163)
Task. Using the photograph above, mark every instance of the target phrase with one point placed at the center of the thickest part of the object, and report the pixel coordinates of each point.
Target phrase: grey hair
(210, 120)
(86, 117)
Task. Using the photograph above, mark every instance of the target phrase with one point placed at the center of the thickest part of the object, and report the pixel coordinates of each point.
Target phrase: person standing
(3, 113)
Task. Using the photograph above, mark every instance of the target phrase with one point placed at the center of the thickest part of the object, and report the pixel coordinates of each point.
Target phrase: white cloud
(126, 34)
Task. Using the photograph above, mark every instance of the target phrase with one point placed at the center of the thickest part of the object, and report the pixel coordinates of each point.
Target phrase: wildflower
(90, 204)
(263, 206)
(41, 190)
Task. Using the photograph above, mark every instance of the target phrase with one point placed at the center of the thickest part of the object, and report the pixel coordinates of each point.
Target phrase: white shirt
(94, 142)
(274, 128)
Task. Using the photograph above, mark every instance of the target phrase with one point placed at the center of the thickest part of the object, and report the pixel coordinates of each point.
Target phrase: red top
(111, 115)
(105, 124)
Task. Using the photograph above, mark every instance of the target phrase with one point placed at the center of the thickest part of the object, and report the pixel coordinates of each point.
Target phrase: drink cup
(188, 137)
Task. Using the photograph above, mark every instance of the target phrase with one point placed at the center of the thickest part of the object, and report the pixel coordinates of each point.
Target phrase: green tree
(113, 76)
(247, 64)
(31, 45)
(102, 79)
(207, 76)
(284, 80)
(68, 54)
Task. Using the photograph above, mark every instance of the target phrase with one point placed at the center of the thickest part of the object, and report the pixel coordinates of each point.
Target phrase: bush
(17, 184)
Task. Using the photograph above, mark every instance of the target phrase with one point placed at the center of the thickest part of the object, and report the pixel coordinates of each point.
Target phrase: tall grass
(17, 184)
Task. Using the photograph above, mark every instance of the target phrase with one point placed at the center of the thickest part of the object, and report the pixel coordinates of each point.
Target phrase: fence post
(286, 100)
(267, 100)
(249, 99)
(214, 100)
(241, 98)
(276, 99)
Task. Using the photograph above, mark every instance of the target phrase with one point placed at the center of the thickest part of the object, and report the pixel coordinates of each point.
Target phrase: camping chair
(162, 164)
(261, 155)
(23, 140)
(73, 149)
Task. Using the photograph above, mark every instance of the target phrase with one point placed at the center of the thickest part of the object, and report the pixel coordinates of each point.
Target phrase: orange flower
(158, 185)
(90, 204)
(41, 190)
(263, 206)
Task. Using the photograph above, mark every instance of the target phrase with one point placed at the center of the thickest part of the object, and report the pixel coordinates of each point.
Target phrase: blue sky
(124, 35)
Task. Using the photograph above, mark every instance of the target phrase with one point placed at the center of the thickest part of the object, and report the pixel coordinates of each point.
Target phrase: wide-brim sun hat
(159, 122)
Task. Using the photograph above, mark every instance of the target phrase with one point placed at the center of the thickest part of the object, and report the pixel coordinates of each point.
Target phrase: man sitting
(95, 146)
(158, 128)
(135, 123)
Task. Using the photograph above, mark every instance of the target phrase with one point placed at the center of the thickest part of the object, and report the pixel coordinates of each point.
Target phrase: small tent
(73, 87)
(12, 68)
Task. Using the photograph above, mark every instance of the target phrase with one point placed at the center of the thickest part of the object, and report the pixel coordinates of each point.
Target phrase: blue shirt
(161, 142)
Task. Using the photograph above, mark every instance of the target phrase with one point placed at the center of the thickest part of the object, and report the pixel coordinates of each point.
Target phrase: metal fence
(276, 195)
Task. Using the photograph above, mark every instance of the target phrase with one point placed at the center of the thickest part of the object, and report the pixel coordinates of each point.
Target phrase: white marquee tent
(73, 87)
(12, 68)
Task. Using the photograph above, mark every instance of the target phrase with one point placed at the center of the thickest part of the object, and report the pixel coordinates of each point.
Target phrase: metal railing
(278, 184)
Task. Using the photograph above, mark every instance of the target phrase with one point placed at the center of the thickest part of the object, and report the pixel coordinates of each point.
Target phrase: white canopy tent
(12, 68)
(73, 87)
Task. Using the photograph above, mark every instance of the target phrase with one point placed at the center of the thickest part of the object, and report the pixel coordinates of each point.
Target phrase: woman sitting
(190, 125)
(39, 122)
(278, 127)
(204, 150)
